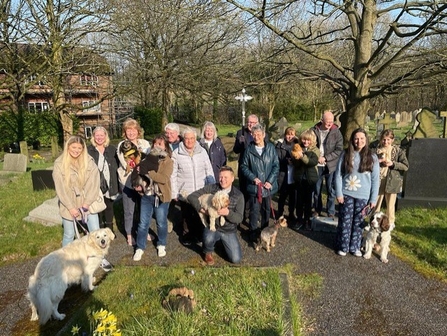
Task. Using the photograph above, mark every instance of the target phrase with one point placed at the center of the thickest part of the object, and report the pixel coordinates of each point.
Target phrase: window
(34, 80)
(89, 80)
(37, 107)
(91, 105)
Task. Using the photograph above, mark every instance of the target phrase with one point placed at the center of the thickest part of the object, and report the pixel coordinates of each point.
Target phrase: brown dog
(131, 155)
(268, 234)
(180, 299)
(296, 151)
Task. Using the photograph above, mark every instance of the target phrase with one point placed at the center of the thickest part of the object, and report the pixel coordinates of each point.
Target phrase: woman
(106, 159)
(305, 176)
(393, 163)
(356, 187)
(76, 179)
(285, 177)
(214, 147)
(157, 199)
(260, 167)
(192, 171)
(132, 132)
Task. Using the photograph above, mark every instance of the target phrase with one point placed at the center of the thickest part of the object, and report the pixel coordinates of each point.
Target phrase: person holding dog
(76, 180)
(156, 199)
(260, 167)
(393, 163)
(106, 159)
(357, 186)
(233, 215)
(133, 132)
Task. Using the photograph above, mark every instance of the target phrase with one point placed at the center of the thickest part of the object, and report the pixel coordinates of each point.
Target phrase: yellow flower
(100, 328)
(100, 315)
(75, 330)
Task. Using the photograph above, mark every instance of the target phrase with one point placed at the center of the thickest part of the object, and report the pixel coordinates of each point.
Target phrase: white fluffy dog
(379, 227)
(72, 264)
(213, 203)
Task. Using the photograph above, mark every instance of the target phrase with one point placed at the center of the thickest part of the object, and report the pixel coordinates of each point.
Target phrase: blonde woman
(106, 159)
(76, 178)
(133, 132)
(305, 176)
(214, 147)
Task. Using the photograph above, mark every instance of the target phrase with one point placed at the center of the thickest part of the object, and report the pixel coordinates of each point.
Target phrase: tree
(364, 49)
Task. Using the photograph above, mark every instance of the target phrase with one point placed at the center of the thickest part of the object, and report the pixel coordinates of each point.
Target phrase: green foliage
(293, 111)
(149, 119)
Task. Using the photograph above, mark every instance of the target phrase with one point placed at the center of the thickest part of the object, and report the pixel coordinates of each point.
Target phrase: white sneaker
(138, 254)
(161, 250)
(341, 253)
(357, 253)
(105, 265)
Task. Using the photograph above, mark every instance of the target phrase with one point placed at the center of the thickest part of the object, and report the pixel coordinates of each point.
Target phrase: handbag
(98, 205)
(103, 185)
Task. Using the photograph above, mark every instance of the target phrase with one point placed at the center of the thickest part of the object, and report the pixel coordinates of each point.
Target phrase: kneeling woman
(157, 198)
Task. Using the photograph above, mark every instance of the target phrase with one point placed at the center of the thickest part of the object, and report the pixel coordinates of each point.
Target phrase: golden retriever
(213, 203)
(72, 264)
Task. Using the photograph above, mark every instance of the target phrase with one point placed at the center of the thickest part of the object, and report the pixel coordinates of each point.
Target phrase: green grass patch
(230, 301)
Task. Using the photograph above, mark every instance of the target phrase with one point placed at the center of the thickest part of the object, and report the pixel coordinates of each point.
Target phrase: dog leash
(82, 223)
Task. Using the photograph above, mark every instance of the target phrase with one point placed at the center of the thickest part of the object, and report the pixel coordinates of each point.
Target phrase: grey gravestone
(47, 213)
(398, 117)
(15, 162)
(23, 148)
(280, 127)
(426, 180)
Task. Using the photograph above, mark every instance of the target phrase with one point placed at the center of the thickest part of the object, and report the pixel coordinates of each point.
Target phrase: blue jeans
(69, 233)
(350, 222)
(161, 216)
(318, 202)
(229, 241)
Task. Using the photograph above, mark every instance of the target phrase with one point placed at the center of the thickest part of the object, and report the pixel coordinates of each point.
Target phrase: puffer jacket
(306, 167)
(394, 176)
(190, 172)
(236, 206)
(217, 155)
(75, 194)
(283, 150)
(333, 145)
(265, 167)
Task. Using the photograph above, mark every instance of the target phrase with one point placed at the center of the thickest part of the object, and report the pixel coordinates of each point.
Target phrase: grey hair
(210, 125)
(189, 130)
(173, 127)
(258, 127)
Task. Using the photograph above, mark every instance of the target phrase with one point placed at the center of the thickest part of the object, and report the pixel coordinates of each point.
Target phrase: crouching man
(233, 215)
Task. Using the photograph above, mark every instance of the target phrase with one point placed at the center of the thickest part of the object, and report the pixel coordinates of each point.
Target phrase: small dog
(379, 226)
(180, 299)
(268, 234)
(141, 181)
(213, 203)
(296, 151)
(72, 264)
(131, 155)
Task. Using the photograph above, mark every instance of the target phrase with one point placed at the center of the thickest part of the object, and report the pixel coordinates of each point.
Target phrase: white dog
(72, 264)
(213, 203)
(379, 227)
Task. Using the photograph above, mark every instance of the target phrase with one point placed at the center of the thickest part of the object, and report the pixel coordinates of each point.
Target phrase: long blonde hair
(80, 163)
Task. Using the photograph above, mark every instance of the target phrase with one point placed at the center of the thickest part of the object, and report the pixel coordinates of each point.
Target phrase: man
(172, 132)
(243, 139)
(233, 214)
(330, 143)
(260, 166)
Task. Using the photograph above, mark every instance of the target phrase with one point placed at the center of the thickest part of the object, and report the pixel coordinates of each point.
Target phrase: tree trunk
(354, 117)
(67, 124)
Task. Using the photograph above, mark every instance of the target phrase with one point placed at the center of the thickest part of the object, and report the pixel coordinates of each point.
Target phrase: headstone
(377, 115)
(393, 115)
(15, 162)
(280, 127)
(397, 117)
(23, 148)
(425, 181)
(425, 127)
(384, 123)
(42, 179)
(443, 115)
(47, 213)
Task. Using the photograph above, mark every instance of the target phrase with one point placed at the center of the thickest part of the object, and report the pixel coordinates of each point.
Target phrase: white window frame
(38, 107)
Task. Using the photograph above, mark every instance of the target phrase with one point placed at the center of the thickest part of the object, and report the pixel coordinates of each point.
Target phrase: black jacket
(112, 161)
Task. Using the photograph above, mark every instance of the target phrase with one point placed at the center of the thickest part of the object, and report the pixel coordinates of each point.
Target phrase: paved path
(357, 297)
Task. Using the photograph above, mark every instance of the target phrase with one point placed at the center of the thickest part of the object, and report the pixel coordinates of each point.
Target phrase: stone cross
(384, 123)
(243, 98)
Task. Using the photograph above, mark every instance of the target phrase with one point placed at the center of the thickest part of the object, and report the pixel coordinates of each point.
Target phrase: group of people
(176, 169)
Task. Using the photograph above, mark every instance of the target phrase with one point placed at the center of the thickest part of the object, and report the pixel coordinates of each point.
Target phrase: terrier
(268, 234)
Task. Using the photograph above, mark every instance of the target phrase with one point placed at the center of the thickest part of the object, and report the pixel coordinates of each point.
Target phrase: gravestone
(398, 117)
(47, 213)
(426, 179)
(383, 124)
(23, 148)
(425, 127)
(42, 179)
(280, 127)
(15, 162)
(443, 115)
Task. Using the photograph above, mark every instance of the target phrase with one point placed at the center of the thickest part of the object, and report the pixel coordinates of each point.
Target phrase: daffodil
(100, 315)
(75, 330)
(352, 183)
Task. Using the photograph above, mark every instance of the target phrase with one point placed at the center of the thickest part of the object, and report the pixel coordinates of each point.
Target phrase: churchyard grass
(230, 301)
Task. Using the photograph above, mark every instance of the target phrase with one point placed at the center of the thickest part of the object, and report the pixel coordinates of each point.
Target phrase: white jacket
(191, 172)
